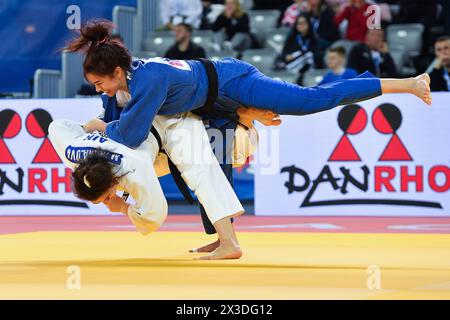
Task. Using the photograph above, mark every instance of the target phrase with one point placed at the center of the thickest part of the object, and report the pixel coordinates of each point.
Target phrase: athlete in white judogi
(186, 142)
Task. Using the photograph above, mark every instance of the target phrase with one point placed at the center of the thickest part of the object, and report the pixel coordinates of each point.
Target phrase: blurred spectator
(418, 11)
(292, 12)
(271, 4)
(280, 5)
(336, 64)
(232, 27)
(210, 13)
(445, 16)
(355, 14)
(322, 21)
(300, 47)
(373, 56)
(184, 48)
(440, 79)
(174, 12)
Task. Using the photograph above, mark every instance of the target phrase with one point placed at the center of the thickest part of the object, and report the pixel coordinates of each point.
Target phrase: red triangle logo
(46, 154)
(5, 154)
(344, 151)
(395, 151)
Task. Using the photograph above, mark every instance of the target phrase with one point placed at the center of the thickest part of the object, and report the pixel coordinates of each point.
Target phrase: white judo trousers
(186, 142)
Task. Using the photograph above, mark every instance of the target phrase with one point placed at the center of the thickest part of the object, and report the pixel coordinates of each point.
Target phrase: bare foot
(222, 253)
(421, 87)
(208, 248)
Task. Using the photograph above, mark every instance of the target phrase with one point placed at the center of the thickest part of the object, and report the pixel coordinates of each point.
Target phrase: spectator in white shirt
(174, 12)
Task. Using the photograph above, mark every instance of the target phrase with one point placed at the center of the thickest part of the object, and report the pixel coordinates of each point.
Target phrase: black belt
(176, 174)
(213, 91)
(208, 109)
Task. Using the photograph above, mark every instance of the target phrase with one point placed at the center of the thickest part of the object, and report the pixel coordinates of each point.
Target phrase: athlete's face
(104, 198)
(108, 84)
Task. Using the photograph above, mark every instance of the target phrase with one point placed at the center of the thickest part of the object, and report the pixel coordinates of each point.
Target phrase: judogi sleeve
(149, 91)
(150, 210)
(63, 133)
(141, 181)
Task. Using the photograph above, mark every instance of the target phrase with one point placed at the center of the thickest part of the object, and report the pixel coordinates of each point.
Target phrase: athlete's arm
(149, 91)
(63, 133)
(150, 210)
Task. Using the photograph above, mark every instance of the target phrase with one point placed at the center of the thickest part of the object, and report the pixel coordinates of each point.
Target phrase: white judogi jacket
(186, 142)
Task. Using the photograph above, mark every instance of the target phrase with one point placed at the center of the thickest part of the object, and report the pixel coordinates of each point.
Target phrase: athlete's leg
(246, 117)
(419, 86)
(257, 90)
(224, 157)
(187, 144)
(229, 245)
(207, 225)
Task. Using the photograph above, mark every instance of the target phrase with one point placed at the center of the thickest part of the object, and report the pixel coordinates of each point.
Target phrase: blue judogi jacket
(163, 86)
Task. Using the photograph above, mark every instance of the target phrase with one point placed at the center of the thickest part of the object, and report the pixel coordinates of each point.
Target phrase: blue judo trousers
(162, 86)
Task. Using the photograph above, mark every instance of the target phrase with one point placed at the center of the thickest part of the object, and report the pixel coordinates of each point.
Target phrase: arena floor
(284, 258)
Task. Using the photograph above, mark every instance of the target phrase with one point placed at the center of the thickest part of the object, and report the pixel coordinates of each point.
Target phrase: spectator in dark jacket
(271, 4)
(440, 79)
(300, 47)
(322, 21)
(184, 48)
(373, 56)
(232, 27)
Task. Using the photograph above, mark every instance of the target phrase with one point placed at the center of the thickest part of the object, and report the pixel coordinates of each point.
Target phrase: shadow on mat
(190, 263)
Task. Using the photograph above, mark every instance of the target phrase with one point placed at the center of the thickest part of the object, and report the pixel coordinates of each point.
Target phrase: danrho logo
(352, 120)
(36, 124)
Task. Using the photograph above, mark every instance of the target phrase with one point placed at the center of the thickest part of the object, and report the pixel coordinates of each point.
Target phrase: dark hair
(117, 37)
(443, 38)
(103, 53)
(187, 26)
(97, 171)
(339, 50)
(307, 17)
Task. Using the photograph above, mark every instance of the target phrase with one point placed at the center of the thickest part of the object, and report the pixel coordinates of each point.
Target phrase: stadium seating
(47, 84)
(124, 18)
(409, 36)
(263, 59)
(312, 77)
(203, 38)
(65, 83)
(247, 4)
(214, 55)
(262, 22)
(158, 41)
(346, 44)
(275, 38)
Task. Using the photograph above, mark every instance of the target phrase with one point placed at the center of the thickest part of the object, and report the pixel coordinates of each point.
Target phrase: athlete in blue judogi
(165, 87)
(162, 86)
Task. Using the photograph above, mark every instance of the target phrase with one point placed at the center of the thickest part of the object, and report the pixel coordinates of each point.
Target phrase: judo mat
(103, 257)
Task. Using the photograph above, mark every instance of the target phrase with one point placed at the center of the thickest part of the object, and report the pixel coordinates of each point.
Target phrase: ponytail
(103, 54)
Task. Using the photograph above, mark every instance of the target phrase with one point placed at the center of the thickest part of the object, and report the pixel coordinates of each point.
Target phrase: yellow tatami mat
(126, 265)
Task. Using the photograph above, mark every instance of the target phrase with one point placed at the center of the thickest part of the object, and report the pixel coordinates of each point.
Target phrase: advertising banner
(389, 156)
